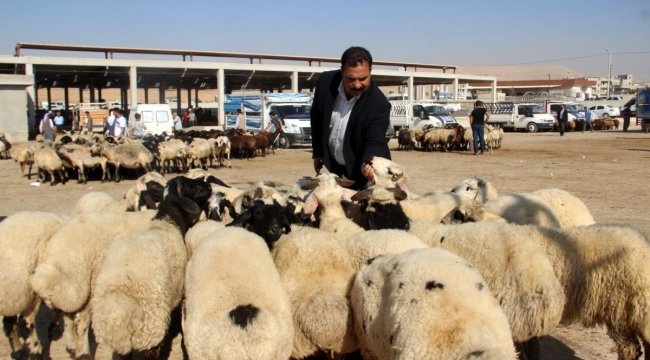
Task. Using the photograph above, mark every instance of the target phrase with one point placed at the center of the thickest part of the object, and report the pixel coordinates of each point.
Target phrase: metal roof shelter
(191, 70)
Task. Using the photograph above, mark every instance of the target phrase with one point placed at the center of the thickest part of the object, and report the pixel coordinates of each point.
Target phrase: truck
(643, 109)
(575, 110)
(407, 114)
(531, 117)
(98, 111)
(293, 108)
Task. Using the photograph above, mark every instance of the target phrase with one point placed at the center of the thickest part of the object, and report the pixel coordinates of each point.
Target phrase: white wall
(13, 102)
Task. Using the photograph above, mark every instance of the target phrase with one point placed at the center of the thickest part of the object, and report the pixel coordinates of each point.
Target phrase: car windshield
(292, 111)
(436, 110)
(572, 108)
(537, 108)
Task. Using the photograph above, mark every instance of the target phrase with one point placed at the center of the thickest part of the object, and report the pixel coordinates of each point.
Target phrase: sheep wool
(315, 271)
(427, 304)
(235, 306)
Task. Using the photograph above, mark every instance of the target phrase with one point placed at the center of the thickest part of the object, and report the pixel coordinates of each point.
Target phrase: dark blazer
(563, 115)
(365, 135)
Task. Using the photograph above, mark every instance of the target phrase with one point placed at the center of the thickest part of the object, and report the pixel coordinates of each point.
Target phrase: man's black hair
(355, 56)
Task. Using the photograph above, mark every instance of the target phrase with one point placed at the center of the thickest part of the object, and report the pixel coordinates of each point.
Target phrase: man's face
(356, 79)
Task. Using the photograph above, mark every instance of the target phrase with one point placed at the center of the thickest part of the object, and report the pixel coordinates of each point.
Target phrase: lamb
(172, 152)
(513, 268)
(23, 154)
(147, 191)
(427, 304)
(47, 160)
(199, 151)
(222, 149)
(80, 157)
(23, 237)
(235, 306)
(130, 156)
(5, 146)
(591, 262)
(315, 272)
(405, 140)
(267, 221)
(476, 188)
(389, 174)
(66, 273)
(134, 299)
(199, 232)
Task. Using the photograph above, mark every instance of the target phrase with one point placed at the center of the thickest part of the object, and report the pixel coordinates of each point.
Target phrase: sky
(572, 33)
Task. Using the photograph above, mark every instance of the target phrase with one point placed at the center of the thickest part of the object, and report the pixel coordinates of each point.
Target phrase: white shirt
(120, 126)
(339, 123)
(58, 120)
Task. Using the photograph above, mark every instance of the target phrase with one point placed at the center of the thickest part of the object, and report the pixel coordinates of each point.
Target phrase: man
(562, 118)
(627, 113)
(58, 121)
(178, 124)
(587, 120)
(241, 121)
(477, 120)
(192, 117)
(349, 119)
(120, 124)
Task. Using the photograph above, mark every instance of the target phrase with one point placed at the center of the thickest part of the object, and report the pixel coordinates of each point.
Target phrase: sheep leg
(117, 173)
(69, 333)
(52, 177)
(627, 344)
(10, 325)
(22, 170)
(82, 325)
(32, 345)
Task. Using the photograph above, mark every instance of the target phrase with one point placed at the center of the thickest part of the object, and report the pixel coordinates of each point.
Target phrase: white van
(157, 118)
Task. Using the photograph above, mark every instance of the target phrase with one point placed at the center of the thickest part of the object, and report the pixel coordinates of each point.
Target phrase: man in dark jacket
(349, 119)
(562, 119)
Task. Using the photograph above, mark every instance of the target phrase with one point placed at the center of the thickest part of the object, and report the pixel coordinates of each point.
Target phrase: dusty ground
(607, 170)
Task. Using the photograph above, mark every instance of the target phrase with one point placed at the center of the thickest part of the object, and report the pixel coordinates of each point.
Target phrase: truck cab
(574, 110)
(404, 113)
(440, 113)
(531, 117)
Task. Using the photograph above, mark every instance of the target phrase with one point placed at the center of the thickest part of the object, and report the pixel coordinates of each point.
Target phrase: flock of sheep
(81, 152)
(315, 270)
(451, 138)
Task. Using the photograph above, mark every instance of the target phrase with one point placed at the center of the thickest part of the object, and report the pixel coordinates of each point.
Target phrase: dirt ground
(608, 170)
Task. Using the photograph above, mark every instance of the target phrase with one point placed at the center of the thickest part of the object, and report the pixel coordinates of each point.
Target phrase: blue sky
(573, 33)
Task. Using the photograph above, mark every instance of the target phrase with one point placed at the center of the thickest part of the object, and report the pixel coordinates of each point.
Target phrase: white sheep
(23, 154)
(172, 152)
(23, 237)
(140, 281)
(222, 149)
(367, 245)
(64, 277)
(235, 306)
(47, 161)
(130, 156)
(606, 278)
(199, 232)
(514, 267)
(389, 174)
(315, 271)
(569, 209)
(80, 158)
(476, 188)
(427, 304)
(199, 150)
(523, 209)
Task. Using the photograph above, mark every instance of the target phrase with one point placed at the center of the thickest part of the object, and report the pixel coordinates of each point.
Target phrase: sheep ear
(310, 185)
(344, 182)
(398, 193)
(241, 220)
(362, 195)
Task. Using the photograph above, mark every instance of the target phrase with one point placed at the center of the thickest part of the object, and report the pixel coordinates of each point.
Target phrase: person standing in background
(120, 124)
(562, 118)
(59, 121)
(627, 113)
(477, 119)
(87, 122)
(192, 117)
(587, 120)
(178, 123)
(241, 121)
(47, 128)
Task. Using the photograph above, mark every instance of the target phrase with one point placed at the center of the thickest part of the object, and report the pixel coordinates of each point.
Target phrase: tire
(531, 127)
(283, 141)
(605, 116)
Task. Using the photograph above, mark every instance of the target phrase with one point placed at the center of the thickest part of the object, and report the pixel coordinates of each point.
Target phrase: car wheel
(283, 141)
(605, 116)
(531, 127)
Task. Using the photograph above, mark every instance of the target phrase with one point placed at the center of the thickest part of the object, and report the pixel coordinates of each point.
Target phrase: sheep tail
(115, 316)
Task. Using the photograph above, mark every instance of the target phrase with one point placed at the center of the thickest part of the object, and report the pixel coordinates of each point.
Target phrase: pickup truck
(531, 117)
(405, 113)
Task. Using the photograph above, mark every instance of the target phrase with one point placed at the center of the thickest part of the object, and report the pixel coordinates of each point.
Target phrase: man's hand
(318, 164)
(368, 172)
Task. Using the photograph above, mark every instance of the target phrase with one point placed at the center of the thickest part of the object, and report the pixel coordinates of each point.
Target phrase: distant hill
(522, 72)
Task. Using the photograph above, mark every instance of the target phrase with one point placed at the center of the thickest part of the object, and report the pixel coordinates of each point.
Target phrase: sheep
(199, 150)
(427, 304)
(606, 278)
(5, 146)
(316, 272)
(405, 140)
(23, 154)
(130, 156)
(23, 237)
(235, 306)
(388, 174)
(47, 160)
(80, 157)
(267, 221)
(170, 152)
(147, 191)
(134, 299)
(199, 232)
(66, 273)
(223, 147)
(367, 245)
(522, 280)
(569, 209)
(476, 188)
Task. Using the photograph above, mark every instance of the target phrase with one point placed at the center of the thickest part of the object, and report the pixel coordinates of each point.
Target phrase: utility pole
(548, 91)
(609, 71)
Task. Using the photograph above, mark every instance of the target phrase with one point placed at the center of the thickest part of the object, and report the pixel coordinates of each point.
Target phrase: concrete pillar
(91, 90)
(494, 91)
(66, 97)
(196, 98)
(178, 101)
(189, 97)
(99, 94)
(146, 95)
(294, 82)
(81, 95)
(455, 96)
(161, 93)
(49, 98)
(133, 85)
(32, 99)
(411, 89)
(221, 87)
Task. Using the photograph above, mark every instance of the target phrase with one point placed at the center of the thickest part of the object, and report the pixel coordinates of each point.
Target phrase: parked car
(614, 98)
(605, 111)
